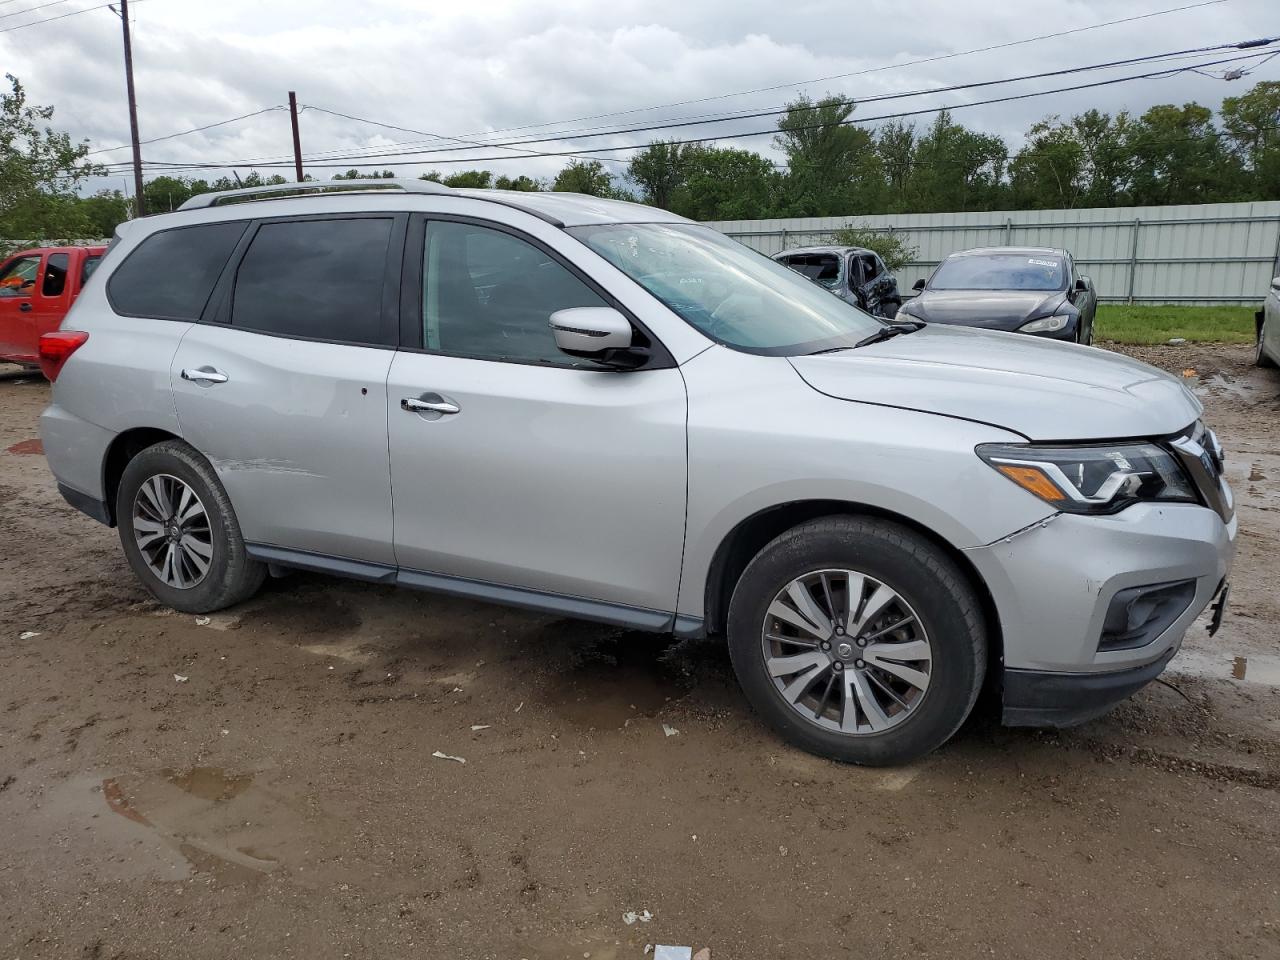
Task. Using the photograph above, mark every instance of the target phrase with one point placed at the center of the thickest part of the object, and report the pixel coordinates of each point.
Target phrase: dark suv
(851, 273)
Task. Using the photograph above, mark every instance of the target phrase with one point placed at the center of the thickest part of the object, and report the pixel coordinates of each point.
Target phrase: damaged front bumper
(1064, 590)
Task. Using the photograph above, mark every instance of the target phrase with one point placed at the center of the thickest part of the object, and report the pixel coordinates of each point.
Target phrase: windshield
(730, 292)
(1000, 271)
(823, 268)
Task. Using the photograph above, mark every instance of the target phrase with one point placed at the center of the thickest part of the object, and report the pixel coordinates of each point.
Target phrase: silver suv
(605, 411)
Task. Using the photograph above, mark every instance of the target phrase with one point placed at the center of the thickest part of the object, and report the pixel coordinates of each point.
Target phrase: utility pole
(139, 202)
(297, 143)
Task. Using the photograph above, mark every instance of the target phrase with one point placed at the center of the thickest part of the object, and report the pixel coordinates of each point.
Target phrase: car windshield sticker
(1042, 263)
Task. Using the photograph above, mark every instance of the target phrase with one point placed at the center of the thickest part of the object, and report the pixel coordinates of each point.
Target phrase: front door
(18, 279)
(531, 469)
(286, 394)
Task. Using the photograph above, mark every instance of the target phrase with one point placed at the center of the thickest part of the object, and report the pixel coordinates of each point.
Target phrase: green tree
(895, 142)
(589, 177)
(955, 168)
(521, 183)
(1252, 125)
(164, 194)
(1048, 172)
(894, 249)
(40, 169)
(661, 169)
(1177, 156)
(833, 167)
(104, 211)
(371, 175)
(727, 184)
(475, 179)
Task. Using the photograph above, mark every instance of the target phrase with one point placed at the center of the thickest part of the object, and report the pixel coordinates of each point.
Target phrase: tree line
(1166, 155)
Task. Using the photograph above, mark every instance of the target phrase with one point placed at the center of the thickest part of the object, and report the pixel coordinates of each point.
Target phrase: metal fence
(1213, 253)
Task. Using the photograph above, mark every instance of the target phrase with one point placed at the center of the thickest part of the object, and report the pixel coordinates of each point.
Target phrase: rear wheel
(858, 639)
(179, 532)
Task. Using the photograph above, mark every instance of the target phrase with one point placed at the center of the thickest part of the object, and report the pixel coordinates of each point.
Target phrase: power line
(74, 13)
(858, 73)
(18, 13)
(739, 135)
(183, 133)
(787, 109)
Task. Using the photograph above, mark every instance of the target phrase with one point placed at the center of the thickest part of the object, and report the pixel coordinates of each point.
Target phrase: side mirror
(1275, 282)
(596, 333)
(918, 285)
(1082, 284)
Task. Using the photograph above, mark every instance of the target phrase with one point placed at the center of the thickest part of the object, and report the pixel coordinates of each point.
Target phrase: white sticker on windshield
(1042, 263)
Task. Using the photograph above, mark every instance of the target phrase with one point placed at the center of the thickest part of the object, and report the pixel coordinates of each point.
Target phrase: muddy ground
(265, 785)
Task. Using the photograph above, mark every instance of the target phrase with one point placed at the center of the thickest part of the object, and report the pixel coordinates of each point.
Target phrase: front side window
(1000, 271)
(171, 273)
(319, 279)
(19, 276)
(490, 295)
(55, 275)
(729, 292)
(870, 267)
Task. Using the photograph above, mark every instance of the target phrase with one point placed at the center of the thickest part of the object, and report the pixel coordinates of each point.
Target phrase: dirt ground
(268, 783)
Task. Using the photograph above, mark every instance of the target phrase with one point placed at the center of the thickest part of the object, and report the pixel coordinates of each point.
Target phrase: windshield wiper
(888, 331)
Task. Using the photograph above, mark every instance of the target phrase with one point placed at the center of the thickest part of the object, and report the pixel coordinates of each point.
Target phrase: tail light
(56, 348)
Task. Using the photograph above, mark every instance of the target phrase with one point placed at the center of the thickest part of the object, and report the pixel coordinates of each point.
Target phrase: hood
(1042, 389)
(989, 309)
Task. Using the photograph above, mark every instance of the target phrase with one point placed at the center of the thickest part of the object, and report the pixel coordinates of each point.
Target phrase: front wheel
(858, 639)
(1260, 357)
(179, 532)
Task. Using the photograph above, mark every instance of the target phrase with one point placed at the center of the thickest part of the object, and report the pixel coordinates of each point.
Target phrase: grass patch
(1158, 323)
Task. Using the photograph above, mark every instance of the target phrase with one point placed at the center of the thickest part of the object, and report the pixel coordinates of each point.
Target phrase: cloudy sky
(475, 71)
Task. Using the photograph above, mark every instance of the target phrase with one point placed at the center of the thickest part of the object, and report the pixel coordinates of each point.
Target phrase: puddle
(1220, 385)
(615, 678)
(27, 447)
(209, 783)
(1254, 669)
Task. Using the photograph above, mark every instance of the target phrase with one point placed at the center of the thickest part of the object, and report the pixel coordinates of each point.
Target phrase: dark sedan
(1020, 289)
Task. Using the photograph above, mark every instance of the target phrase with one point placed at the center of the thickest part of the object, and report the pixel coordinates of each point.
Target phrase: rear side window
(320, 279)
(86, 269)
(171, 274)
(55, 275)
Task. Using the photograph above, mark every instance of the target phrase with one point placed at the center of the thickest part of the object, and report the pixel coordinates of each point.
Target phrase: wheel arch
(122, 449)
(751, 534)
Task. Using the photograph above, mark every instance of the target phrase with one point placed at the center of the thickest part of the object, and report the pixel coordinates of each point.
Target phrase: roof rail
(267, 191)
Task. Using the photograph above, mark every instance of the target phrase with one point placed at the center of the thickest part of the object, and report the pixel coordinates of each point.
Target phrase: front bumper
(1053, 583)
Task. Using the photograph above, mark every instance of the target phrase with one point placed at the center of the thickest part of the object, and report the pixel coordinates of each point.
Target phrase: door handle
(25, 307)
(206, 375)
(439, 405)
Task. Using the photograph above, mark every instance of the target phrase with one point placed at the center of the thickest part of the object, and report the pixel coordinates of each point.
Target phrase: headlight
(905, 311)
(1094, 479)
(1046, 324)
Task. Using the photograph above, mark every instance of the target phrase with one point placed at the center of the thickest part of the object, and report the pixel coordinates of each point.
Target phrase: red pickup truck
(37, 288)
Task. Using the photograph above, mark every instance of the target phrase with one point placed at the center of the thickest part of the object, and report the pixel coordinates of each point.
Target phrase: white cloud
(460, 69)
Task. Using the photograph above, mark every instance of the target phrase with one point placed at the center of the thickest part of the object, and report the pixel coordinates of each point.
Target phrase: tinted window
(870, 268)
(488, 294)
(86, 270)
(315, 278)
(172, 273)
(55, 275)
(1000, 271)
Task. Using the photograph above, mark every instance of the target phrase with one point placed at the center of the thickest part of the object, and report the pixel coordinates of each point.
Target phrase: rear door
(52, 296)
(538, 472)
(18, 279)
(284, 386)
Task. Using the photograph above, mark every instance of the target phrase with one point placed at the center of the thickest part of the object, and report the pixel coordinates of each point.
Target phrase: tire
(229, 575)
(926, 583)
(1260, 357)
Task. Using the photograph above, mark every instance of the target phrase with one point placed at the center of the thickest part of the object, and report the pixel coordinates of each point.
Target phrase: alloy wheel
(846, 651)
(171, 529)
